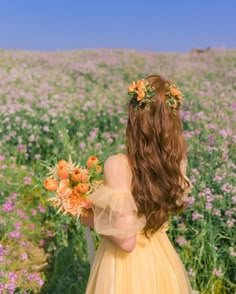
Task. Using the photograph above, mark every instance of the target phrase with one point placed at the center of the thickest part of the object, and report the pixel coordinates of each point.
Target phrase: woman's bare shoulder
(117, 169)
(119, 160)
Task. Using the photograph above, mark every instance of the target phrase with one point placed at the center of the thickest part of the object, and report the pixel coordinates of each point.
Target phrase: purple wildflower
(41, 209)
(14, 234)
(27, 180)
(8, 206)
(217, 272)
(181, 240)
(196, 215)
(82, 145)
(18, 225)
(24, 256)
(22, 148)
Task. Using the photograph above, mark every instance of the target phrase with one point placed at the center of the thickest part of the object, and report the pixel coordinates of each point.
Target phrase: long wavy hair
(155, 147)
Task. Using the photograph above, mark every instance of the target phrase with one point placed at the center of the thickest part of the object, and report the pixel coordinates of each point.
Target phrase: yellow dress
(153, 267)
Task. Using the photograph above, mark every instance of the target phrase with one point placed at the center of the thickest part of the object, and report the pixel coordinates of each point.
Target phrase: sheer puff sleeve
(115, 211)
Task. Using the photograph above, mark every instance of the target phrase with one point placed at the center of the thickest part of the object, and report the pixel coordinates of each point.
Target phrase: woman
(141, 189)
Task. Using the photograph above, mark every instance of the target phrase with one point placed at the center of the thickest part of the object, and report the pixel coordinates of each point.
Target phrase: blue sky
(170, 26)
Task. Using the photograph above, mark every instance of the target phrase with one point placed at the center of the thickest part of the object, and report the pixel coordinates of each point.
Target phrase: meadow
(56, 104)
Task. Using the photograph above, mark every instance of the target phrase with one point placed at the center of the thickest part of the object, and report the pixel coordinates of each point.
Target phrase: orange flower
(62, 172)
(76, 175)
(82, 188)
(84, 178)
(98, 169)
(85, 173)
(64, 189)
(141, 94)
(74, 203)
(141, 84)
(71, 203)
(63, 163)
(175, 91)
(132, 87)
(85, 202)
(50, 184)
(92, 161)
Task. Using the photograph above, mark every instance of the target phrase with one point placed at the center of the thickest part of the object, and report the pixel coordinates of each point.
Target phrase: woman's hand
(89, 220)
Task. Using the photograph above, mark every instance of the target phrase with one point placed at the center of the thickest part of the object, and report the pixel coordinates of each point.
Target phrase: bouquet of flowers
(71, 184)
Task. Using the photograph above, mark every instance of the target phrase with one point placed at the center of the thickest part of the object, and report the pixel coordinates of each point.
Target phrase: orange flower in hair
(142, 92)
(132, 87)
(141, 84)
(141, 95)
(175, 91)
(175, 97)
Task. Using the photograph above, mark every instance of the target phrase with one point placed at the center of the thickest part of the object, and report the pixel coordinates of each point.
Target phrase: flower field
(56, 104)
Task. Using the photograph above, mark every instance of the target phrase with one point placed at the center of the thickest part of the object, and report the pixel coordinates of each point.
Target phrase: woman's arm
(127, 244)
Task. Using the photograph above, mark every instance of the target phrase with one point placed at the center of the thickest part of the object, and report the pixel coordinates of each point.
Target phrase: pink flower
(13, 196)
(82, 145)
(27, 180)
(31, 227)
(34, 212)
(181, 240)
(196, 215)
(37, 156)
(228, 212)
(234, 199)
(14, 234)
(18, 225)
(190, 200)
(191, 272)
(8, 206)
(217, 272)
(218, 178)
(41, 243)
(216, 212)
(230, 222)
(41, 209)
(24, 256)
(22, 148)
(46, 128)
(21, 213)
(208, 205)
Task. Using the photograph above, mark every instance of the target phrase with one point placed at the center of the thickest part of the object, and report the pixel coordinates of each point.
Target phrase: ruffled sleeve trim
(118, 201)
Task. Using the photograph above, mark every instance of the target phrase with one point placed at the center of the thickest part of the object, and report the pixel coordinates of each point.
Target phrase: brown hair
(155, 150)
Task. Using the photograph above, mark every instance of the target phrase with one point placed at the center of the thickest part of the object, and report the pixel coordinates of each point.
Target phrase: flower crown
(142, 92)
